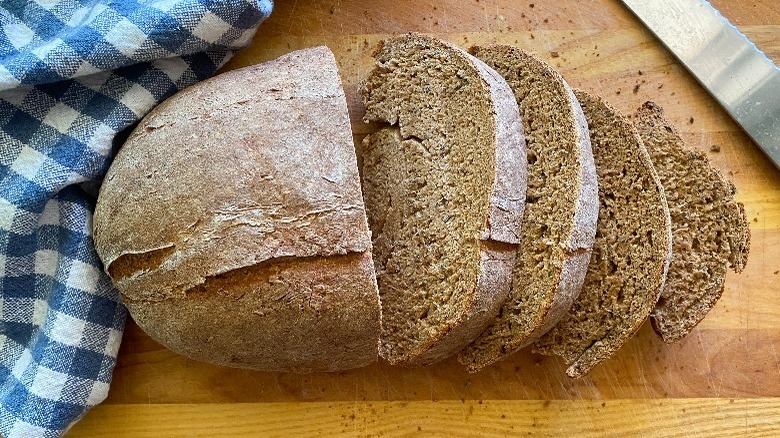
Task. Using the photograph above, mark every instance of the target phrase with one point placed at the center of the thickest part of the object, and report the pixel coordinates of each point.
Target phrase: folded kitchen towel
(75, 75)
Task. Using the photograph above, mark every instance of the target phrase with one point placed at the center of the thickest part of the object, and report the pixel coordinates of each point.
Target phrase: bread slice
(561, 210)
(632, 249)
(444, 186)
(233, 224)
(709, 227)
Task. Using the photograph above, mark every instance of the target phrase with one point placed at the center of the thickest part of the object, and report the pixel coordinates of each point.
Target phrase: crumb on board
(531, 6)
(715, 148)
(690, 121)
(554, 54)
(636, 88)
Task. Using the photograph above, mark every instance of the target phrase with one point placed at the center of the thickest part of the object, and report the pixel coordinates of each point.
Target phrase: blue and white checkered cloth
(75, 75)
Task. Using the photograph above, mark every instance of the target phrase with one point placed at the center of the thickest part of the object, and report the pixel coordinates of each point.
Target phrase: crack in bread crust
(232, 222)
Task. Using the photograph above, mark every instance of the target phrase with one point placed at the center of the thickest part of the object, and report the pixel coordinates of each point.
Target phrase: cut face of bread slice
(561, 207)
(233, 223)
(444, 186)
(632, 249)
(709, 227)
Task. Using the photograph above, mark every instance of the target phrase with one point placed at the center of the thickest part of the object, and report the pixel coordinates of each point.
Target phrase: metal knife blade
(736, 73)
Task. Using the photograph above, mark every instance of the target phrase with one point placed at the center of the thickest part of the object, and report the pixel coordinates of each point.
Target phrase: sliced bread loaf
(233, 224)
(709, 227)
(561, 207)
(631, 252)
(444, 186)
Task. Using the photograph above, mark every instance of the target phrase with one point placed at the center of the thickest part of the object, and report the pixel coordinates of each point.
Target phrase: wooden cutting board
(723, 379)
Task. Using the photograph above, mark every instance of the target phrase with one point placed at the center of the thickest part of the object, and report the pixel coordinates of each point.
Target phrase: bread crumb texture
(631, 253)
(710, 228)
(559, 223)
(428, 180)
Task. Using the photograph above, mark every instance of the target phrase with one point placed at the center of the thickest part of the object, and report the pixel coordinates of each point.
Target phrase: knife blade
(740, 76)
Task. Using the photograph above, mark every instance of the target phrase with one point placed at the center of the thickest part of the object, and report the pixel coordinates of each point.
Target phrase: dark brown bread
(444, 187)
(632, 250)
(709, 227)
(561, 211)
(233, 224)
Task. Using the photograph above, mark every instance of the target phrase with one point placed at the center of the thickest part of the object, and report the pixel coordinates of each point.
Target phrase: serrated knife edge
(739, 75)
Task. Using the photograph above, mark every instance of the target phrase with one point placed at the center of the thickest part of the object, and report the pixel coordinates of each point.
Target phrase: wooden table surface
(723, 379)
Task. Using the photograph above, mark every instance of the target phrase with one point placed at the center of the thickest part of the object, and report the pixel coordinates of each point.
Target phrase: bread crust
(229, 178)
(290, 315)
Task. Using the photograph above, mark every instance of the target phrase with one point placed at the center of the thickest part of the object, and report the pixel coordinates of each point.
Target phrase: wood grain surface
(722, 380)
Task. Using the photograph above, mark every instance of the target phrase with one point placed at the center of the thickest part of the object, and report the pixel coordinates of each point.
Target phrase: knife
(725, 62)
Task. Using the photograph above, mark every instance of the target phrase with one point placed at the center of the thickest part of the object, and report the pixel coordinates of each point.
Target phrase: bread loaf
(709, 227)
(233, 224)
(632, 249)
(561, 207)
(444, 185)
(232, 220)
